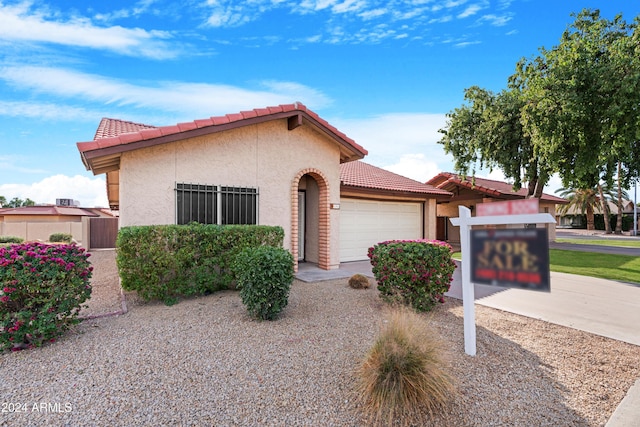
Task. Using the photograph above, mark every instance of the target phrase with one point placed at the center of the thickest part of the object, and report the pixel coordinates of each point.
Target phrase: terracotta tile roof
(117, 136)
(490, 187)
(109, 128)
(363, 175)
(49, 210)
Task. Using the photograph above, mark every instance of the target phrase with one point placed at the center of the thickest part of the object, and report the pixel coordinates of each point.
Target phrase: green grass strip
(624, 268)
(632, 243)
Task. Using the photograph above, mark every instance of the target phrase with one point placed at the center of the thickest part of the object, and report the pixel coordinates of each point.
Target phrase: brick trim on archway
(323, 217)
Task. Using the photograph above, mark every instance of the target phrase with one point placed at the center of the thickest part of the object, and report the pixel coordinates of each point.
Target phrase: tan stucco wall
(429, 215)
(266, 156)
(41, 230)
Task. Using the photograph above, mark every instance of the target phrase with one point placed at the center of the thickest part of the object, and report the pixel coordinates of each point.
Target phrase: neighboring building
(279, 165)
(471, 191)
(41, 221)
(573, 218)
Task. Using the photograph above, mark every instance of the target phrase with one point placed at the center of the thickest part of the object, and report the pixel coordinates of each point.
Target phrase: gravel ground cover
(205, 362)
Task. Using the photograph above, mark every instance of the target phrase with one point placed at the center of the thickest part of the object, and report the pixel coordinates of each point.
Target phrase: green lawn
(632, 243)
(624, 268)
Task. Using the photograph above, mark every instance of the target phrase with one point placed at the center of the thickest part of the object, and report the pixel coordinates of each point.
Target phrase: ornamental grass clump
(403, 378)
(42, 289)
(413, 272)
(264, 276)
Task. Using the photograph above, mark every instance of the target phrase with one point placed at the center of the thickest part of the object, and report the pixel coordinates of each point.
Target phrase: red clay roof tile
(112, 132)
(249, 114)
(485, 185)
(169, 130)
(187, 126)
(221, 120)
(150, 133)
(364, 175)
(114, 127)
(203, 122)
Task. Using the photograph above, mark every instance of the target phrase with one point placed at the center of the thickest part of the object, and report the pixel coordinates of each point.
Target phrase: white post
(468, 291)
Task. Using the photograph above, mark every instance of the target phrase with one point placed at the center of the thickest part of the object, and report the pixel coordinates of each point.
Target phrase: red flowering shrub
(42, 288)
(413, 272)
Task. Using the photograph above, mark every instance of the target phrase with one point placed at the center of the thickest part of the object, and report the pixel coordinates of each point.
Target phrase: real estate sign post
(499, 253)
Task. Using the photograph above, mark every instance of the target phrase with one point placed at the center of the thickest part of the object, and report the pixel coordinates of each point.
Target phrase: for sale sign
(511, 257)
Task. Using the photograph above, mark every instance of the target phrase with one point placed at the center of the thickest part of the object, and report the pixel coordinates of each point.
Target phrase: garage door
(364, 223)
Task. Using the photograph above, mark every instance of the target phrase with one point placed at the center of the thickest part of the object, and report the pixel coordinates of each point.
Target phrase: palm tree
(582, 200)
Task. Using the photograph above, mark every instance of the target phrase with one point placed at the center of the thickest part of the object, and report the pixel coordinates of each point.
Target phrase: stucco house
(280, 165)
(469, 191)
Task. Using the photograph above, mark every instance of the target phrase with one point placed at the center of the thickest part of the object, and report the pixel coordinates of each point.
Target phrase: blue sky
(383, 72)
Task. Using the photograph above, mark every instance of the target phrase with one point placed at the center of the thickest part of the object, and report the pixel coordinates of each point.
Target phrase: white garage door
(364, 223)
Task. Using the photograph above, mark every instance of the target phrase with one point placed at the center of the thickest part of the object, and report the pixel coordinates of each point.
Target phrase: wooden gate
(441, 228)
(103, 233)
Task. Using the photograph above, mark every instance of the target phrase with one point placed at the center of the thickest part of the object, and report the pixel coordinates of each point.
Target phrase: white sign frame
(465, 221)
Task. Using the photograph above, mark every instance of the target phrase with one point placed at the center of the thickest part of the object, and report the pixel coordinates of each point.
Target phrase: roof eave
(348, 151)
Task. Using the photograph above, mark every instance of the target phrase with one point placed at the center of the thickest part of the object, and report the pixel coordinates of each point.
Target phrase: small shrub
(60, 238)
(11, 239)
(264, 276)
(403, 376)
(42, 288)
(413, 272)
(359, 281)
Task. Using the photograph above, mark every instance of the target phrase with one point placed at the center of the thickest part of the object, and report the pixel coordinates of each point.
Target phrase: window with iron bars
(216, 204)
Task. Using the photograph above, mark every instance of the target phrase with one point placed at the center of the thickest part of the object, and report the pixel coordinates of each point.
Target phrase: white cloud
(389, 137)
(349, 6)
(22, 24)
(470, 11)
(495, 20)
(415, 166)
(44, 111)
(373, 13)
(465, 44)
(90, 192)
(191, 100)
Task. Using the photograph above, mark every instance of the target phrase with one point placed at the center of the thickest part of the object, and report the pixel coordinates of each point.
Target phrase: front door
(301, 224)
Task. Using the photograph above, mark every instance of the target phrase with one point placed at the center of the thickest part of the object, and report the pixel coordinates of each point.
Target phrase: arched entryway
(310, 218)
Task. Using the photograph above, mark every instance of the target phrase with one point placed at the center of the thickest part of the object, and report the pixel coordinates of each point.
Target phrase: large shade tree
(487, 132)
(573, 109)
(583, 101)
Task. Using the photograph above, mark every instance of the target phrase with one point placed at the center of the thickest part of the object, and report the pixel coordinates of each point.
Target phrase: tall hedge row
(167, 261)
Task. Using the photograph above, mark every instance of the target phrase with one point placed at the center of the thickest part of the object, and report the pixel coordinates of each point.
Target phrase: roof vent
(67, 202)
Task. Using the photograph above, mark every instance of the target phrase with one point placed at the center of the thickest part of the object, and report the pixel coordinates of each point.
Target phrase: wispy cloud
(354, 21)
(44, 111)
(470, 11)
(495, 20)
(191, 100)
(465, 44)
(137, 9)
(26, 24)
